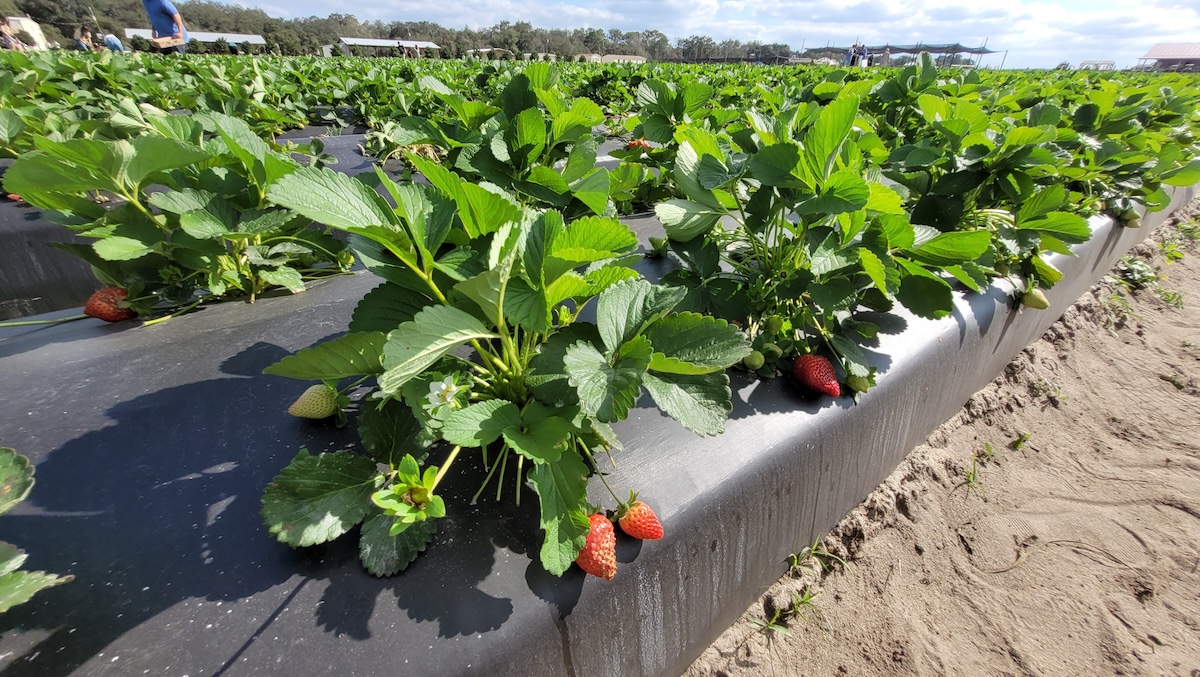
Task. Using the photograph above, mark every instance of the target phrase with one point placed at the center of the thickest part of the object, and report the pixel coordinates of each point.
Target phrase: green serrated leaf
(358, 354)
(685, 220)
(16, 478)
(333, 199)
(119, 248)
(390, 431)
(480, 424)
(386, 307)
(701, 403)
(951, 248)
(315, 499)
(562, 491)
(383, 554)
(625, 308)
(1071, 228)
(416, 345)
(283, 276)
(608, 389)
(541, 441)
(19, 586)
(704, 342)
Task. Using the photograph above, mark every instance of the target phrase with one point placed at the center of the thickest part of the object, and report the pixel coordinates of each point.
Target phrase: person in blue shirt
(166, 22)
(113, 43)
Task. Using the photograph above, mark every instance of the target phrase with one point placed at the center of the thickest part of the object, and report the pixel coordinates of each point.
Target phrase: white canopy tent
(200, 36)
(346, 43)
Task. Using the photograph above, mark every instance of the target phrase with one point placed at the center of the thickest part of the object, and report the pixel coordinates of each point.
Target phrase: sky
(1036, 33)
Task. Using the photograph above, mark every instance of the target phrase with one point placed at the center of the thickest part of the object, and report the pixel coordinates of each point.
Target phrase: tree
(696, 47)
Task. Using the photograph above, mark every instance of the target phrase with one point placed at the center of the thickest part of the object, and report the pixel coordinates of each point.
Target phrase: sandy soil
(1074, 553)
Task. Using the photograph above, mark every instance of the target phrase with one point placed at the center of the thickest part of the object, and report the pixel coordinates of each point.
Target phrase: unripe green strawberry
(658, 247)
(859, 384)
(1036, 299)
(317, 402)
(771, 352)
(754, 360)
(773, 324)
(1132, 223)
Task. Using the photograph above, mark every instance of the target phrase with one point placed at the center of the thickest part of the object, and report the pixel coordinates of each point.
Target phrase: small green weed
(818, 554)
(1049, 390)
(972, 478)
(1020, 441)
(1169, 296)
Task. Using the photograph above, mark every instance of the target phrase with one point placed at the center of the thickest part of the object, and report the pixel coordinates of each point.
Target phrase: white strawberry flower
(443, 392)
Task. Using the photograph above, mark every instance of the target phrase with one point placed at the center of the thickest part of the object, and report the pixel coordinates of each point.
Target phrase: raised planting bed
(152, 447)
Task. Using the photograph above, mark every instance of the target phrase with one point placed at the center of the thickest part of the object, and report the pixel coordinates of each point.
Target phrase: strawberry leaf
(383, 554)
(541, 440)
(315, 499)
(561, 487)
(416, 345)
(18, 586)
(390, 432)
(608, 389)
(356, 354)
(706, 343)
(701, 402)
(626, 308)
(481, 423)
(16, 478)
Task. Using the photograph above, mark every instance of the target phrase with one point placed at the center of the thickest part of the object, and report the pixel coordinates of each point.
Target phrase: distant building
(1096, 65)
(1172, 56)
(593, 58)
(31, 28)
(621, 58)
(406, 47)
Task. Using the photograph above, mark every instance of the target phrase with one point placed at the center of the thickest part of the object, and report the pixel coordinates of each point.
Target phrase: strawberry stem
(177, 313)
(30, 323)
(445, 466)
(587, 452)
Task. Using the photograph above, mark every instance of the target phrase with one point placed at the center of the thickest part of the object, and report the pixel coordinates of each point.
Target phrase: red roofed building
(1172, 56)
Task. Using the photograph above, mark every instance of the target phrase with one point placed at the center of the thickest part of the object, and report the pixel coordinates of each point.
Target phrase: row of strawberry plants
(476, 339)
(818, 234)
(178, 215)
(857, 195)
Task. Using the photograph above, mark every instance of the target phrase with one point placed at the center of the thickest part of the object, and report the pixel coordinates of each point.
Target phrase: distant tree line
(61, 19)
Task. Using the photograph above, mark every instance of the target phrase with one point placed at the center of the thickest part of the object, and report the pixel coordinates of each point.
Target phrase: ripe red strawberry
(599, 555)
(817, 373)
(105, 305)
(637, 143)
(638, 520)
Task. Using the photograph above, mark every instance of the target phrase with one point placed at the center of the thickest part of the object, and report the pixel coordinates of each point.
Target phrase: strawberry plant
(530, 141)
(17, 586)
(476, 342)
(211, 234)
(787, 230)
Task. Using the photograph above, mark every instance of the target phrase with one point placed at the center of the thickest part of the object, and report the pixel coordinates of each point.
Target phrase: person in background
(850, 56)
(867, 57)
(165, 22)
(9, 40)
(84, 42)
(112, 43)
(886, 59)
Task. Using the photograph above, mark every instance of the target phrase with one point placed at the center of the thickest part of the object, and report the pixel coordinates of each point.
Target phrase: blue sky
(1036, 33)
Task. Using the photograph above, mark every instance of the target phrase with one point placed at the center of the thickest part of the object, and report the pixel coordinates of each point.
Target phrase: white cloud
(1036, 33)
